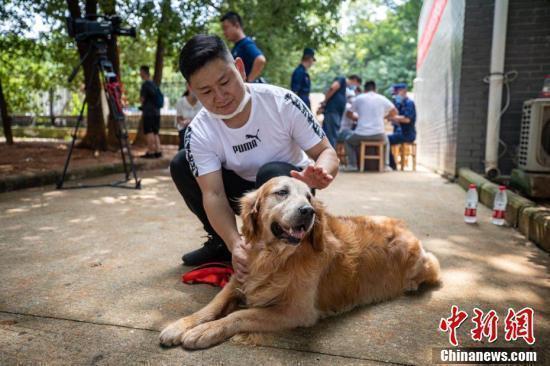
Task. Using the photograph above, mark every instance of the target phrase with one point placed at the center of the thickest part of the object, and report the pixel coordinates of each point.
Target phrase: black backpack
(159, 98)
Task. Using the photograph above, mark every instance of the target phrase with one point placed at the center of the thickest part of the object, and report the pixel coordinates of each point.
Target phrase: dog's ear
(250, 209)
(317, 232)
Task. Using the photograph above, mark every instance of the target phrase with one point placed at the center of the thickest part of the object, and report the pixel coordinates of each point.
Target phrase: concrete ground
(91, 276)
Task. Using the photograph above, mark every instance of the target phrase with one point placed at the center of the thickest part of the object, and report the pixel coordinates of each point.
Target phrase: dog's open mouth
(293, 235)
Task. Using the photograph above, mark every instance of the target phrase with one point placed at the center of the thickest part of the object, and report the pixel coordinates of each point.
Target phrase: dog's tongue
(297, 233)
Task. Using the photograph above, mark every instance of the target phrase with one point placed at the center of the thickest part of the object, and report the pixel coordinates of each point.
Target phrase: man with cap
(300, 82)
(244, 47)
(406, 119)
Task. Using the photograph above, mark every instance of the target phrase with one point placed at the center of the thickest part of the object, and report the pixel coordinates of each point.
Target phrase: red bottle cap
(472, 185)
(501, 188)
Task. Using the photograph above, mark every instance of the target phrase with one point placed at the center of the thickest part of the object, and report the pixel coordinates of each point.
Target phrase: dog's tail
(425, 270)
(431, 272)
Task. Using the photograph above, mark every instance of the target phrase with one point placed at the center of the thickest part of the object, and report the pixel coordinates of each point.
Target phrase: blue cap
(398, 86)
(309, 52)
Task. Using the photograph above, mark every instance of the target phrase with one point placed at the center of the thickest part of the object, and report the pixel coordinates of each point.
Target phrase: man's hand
(240, 259)
(313, 176)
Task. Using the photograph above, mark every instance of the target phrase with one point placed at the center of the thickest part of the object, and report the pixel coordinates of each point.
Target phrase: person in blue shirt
(405, 120)
(300, 82)
(335, 104)
(244, 47)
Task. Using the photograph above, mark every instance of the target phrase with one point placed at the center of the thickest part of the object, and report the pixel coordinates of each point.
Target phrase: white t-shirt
(371, 109)
(185, 109)
(346, 123)
(280, 128)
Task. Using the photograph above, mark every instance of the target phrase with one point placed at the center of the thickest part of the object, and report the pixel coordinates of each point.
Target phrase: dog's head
(282, 212)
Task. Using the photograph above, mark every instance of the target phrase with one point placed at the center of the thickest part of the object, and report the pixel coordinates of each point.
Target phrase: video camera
(90, 27)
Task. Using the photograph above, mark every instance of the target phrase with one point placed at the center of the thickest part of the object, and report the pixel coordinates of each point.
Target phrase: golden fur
(339, 263)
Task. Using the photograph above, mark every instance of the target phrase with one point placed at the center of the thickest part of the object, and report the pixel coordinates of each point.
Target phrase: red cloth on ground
(215, 274)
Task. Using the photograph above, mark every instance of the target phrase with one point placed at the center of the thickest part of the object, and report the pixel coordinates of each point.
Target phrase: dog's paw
(203, 336)
(411, 286)
(172, 334)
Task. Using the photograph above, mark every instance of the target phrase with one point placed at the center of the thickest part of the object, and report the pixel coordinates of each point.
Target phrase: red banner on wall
(432, 24)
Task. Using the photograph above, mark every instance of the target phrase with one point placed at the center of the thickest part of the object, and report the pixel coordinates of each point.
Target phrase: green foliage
(382, 50)
(28, 66)
(282, 29)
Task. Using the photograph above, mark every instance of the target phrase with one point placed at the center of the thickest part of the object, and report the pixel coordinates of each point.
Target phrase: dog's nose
(306, 210)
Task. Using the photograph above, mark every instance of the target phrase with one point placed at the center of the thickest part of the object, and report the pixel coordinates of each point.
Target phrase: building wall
(451, 95)
(527, 52)
(474, 93)
(437, 85)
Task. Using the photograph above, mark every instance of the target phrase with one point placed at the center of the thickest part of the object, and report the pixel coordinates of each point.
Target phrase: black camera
(90, 27)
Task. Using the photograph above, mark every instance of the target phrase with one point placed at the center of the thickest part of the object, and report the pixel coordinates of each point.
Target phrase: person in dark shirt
(244, 47)
(335, 104)
(300, 82)
(406, 119)
(150, 114)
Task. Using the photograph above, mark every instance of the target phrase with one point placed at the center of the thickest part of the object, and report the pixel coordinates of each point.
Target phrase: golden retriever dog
(305, 264)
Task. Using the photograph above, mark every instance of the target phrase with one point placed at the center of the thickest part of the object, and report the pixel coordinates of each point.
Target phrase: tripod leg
(121, 142)
(113, 94)
(69, 154)
(130, 157)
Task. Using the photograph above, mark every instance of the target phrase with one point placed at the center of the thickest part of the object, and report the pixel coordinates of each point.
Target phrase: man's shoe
(212, 251)
(158, 154)
(148, 155)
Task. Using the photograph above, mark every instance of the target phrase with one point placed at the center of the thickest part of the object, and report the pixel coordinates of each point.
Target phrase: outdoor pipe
(496, 79)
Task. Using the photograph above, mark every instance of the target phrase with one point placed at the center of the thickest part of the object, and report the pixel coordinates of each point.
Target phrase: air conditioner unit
(534, 144)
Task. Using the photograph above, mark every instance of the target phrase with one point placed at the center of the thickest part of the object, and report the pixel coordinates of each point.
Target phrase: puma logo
(254, 136)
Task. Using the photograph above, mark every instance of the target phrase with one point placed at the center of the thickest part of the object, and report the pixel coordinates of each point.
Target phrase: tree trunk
(159, 59)
(159, 64)
(95, 137)
(6, 119)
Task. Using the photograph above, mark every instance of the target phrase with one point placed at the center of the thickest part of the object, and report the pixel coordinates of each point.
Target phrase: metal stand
(113, 94)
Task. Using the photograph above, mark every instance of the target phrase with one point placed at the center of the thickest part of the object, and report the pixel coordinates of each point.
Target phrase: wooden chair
(341, 153)
(379, 155)
(402, 152)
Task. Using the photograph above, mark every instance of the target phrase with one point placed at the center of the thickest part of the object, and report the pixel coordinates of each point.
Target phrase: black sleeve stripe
(298, 103)
(188, 154)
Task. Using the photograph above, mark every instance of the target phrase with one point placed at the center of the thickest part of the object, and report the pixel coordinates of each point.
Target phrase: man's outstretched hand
(313, 176)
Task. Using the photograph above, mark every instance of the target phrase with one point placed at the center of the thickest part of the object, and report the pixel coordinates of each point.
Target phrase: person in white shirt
(245, 135)
(347, 125)
(187, 108)
(369, 110)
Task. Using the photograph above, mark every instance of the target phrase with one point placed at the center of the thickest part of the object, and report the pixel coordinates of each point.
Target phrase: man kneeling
(245, 135)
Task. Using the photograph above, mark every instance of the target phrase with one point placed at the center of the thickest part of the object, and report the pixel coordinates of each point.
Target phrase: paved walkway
(91, 276)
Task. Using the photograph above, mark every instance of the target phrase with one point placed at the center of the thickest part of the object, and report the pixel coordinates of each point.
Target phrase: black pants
(181, 134)
(235, 186)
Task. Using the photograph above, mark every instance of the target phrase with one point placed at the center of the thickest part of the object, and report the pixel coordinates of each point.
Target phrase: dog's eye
(308, 196)
(282, 192)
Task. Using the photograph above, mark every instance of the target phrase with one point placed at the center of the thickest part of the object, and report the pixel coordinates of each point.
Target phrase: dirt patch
(41, 156)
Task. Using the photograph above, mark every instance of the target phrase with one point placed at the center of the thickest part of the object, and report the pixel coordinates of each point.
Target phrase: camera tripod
(113, 93)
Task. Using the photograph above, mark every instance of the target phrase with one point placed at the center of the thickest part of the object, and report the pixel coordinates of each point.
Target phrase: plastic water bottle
(470, 212)
(499, 206)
